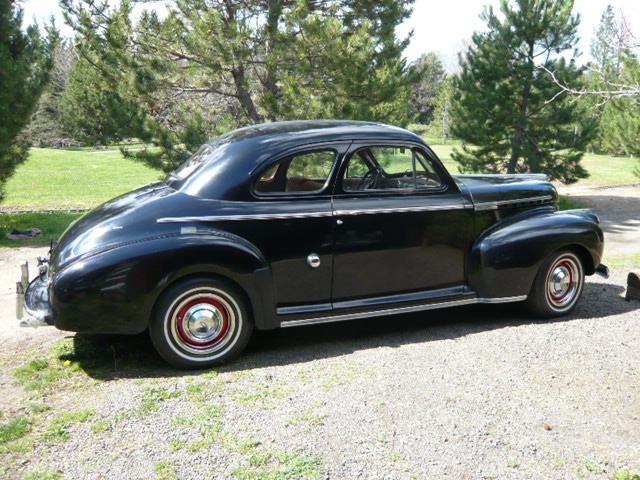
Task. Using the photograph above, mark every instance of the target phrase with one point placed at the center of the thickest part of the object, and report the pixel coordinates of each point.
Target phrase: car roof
(236, 155)
(311, 131)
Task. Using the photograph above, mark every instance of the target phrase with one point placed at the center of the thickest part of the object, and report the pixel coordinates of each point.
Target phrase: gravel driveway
(481, 392)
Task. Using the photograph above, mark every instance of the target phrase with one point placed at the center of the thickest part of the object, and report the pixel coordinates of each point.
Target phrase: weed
(38, 375)
(287, 466)
(43, 475)
(166, 470)
(58, 429)
(625, 474)
(14, 429)
(594, 467)
(153, 397)
(309, 418)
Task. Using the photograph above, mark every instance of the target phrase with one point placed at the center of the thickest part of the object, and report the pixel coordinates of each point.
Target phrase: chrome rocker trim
(399, 310)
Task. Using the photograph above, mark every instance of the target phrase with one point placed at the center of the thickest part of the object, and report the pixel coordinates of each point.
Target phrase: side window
(426, 176)
(389, 168)
(301, 173)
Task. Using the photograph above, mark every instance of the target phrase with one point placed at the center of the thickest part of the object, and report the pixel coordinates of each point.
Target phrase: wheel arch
(124, 284)
(505, 259)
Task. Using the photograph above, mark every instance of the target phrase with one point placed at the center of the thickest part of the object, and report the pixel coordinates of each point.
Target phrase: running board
(399, 310)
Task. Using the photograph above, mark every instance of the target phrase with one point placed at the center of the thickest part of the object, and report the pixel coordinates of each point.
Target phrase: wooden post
(633, 287)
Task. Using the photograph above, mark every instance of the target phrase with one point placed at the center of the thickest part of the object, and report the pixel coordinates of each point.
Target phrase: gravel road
(468, 393)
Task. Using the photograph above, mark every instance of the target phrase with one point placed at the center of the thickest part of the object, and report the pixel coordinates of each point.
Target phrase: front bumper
(32, 298)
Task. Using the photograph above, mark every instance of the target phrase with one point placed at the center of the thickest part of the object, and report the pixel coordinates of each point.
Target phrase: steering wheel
(370, 180)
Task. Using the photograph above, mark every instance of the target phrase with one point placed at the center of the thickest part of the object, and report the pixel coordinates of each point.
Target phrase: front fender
(505, 258)
(115, 291)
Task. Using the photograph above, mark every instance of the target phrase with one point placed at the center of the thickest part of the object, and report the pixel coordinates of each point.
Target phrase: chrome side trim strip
(225, 218)
(283, 216)
(398, 310)
(426, 208)
(499, 203)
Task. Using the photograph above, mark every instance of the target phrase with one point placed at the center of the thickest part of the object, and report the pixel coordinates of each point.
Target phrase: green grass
(166, 470)
(38, 375)
(609, 170)
(566, 203)
(625, 474)
(66, 179)
(629, 260)
(58, 429)
(14, 429)
(52, 224)
(603, 169)
(44, 475)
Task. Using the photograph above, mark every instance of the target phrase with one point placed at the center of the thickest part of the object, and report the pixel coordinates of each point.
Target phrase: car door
(402, 226)
(295, 227)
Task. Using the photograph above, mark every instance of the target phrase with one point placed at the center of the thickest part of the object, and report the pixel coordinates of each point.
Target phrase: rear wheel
(200, 323)
(558, 285)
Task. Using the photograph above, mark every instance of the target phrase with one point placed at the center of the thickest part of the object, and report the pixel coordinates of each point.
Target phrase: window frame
(445, 178)
(263, 168)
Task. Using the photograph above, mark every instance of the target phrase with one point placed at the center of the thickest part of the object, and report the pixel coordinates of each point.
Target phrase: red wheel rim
(564, 282)
(197, 304)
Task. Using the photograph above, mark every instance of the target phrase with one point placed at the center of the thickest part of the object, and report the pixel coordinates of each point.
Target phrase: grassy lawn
(52, 224)
(609, 170)
(65, 179)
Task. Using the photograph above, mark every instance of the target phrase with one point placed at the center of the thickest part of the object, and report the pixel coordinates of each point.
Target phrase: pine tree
(507, 111)
(430, 76)
(209, 66)
(441, 123)
(25, 62)
(46, 128)
(623, 115)
(91, 110)
(605, 48)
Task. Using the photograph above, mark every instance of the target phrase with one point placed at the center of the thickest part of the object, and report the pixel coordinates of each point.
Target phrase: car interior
(370, 168)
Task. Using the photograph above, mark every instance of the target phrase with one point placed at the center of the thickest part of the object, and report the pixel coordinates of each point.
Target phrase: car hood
(129, 217)
(506, 189)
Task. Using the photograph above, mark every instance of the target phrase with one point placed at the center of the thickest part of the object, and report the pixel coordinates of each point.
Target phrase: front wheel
(557, 286)
(199, 323)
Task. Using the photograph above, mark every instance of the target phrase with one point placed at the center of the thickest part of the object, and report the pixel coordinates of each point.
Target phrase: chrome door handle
(313, 260)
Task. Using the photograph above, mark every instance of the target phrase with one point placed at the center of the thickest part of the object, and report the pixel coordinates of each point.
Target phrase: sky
(441, 26)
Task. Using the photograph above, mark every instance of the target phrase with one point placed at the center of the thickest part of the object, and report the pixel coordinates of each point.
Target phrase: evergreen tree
(622, 116)
(508, 112)
(91, 110)
(25, 62)
(605, 48)
(430, 75)
(441, 124)
(46, 128)
(209, 66)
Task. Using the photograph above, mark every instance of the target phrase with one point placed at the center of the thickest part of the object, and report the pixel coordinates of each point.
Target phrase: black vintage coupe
(298, 223)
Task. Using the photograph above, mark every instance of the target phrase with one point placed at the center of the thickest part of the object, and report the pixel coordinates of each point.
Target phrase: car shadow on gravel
(109, 357)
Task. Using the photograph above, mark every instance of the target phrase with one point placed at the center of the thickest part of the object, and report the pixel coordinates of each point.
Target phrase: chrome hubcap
(564, 282)
(203, 321)
(560, 281)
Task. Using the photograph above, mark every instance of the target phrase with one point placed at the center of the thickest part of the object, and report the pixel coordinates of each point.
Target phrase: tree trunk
(244, 96)
(271, 42)
(518, 138)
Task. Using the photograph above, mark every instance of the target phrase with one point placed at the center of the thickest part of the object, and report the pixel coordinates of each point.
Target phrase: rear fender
(123, 284)
(505, 259)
